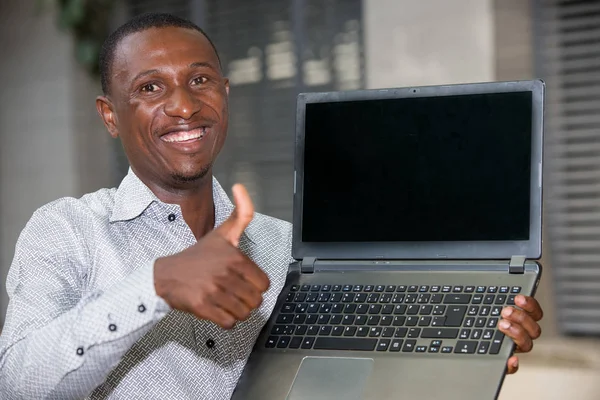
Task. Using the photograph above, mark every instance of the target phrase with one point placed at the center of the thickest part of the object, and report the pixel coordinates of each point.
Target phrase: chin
(191, 176)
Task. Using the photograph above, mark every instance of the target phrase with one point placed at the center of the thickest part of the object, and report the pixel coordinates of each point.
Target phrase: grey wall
(52, 142)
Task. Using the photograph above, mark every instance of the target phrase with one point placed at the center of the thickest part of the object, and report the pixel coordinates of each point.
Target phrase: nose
(181, 104)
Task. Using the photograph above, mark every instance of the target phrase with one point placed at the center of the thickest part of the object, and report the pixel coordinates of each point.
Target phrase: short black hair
(138, 24)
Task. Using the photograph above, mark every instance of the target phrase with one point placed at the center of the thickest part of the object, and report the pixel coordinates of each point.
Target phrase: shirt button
(112, 327)
(141, 308)
(210, 343)
(171, 217)
(80, 351)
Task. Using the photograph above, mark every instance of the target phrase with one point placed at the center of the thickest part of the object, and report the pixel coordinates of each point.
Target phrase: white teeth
(184, 135)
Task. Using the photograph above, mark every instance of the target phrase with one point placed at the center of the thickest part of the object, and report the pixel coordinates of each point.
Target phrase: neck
(194, 198)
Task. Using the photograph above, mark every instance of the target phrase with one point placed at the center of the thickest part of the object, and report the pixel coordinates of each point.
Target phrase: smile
(184, 136)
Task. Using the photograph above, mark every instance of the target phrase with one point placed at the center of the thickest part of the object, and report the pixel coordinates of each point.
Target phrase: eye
(149, 87)
(199, 80)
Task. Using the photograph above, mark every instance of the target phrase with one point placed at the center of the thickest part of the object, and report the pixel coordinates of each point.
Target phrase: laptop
(417, 218)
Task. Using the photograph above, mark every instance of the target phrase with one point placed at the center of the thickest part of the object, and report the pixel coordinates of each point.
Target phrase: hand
(521, 325)
(213, 279)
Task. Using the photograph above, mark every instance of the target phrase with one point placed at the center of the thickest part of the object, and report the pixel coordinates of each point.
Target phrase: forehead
(156, 48)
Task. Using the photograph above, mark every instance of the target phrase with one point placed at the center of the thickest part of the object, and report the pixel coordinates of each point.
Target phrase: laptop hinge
(307, 265)
(517, 265)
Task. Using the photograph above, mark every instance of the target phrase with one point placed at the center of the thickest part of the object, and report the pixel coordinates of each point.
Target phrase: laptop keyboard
(392, 318)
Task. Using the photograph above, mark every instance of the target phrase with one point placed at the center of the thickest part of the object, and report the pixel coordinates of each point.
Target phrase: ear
(106, 110)
(227, 86)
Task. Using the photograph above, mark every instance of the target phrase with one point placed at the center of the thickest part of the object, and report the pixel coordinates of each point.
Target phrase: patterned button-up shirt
(84, 319)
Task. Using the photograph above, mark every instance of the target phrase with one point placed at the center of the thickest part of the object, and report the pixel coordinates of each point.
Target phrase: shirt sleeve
(60, 341)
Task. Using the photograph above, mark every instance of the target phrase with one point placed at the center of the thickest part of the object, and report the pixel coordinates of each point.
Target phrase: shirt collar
(133, 197)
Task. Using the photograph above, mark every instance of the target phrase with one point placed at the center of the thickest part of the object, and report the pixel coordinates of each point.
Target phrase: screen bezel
(531, 248)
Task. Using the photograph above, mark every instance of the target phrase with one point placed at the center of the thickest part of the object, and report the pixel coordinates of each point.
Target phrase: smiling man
(158, 288)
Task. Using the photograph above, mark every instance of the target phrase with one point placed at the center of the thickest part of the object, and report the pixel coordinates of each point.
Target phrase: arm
(58, 341)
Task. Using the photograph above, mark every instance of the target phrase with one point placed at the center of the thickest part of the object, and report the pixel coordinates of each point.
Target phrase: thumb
(241, 216)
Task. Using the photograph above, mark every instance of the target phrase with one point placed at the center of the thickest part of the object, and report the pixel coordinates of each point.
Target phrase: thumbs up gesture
(213, 279)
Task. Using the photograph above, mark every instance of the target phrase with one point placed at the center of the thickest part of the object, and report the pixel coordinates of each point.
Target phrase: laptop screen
(443, 168)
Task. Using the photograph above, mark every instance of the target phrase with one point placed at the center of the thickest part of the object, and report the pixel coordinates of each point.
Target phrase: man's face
(168, 104)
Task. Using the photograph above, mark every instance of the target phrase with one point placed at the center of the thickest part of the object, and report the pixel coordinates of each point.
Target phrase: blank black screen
(451, 168)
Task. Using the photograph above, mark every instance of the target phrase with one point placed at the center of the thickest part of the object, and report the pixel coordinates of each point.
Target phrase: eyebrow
(192, 65)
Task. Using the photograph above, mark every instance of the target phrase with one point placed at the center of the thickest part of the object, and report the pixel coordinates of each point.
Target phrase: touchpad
(331, 378)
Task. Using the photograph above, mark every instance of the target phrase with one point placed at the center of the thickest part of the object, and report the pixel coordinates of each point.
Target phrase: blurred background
(53, 143)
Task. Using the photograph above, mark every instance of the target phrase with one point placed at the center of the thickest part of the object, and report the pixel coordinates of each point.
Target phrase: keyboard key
(312, 330)
(511, 300)
(438, 321)
(476, 334)
(500, 299)
(470, 289)
(323, 297)
(492, 289)
(455, 315)
(388, 332)
(330, 343)
(414, 332)
(424, 321)
(413, 309)
(362, 309)
(379, 288)
(311, 319)
(348, 319)
(396, 345)
(295, 288)
(413, 288)
(350, 309)
(457, 289)
(489, 299)
(374, 308)
(337, 330)
(312, 308)
(516, 289)
(465, 347)
(447, 349)
(360, 298)
(435, 289)
(305, 288)
(439, 310)
(271, 342)
(433, 333)
(390, 288)
(425, 310)
(421, 349)
(483, 347)
(346, 288)
(400, 309)
(283, 342)
(383, 344)
(434, 349)
(337, 308)
(492, 322)
(488, 334)
(362, 331)
(398, 298)
(409, 346)
(412, 320)
(446, 289)
(315, 288)
(473, 310)
(336, 319)
(465, 334)
(477, 299)
(436, 343)
(361, 320)
(401, 332)
(401, 288)
(398, 321)
(295, 342)
(436, 298)
(386, 320)
(485, 311)
(373, 298)
(373, 320)
(387, 309)
(497, 342)
(411, 298)
(325, 330)
(423, 298)
(385, 298)
(350, 330)
(375, 331)
(357, 288)
(457, 299)
(326, 288)
(307, 343)
(496, 311)
(369, 288)
(336, 297)
(480, 323)
(504, 289)
(480, 289)
(300, 297)
(423, 288)
(300, 330)
(312, 297)
(336, 288)
(284, 318)
(348, 297)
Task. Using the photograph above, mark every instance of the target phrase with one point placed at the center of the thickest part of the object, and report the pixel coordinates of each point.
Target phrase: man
(159, 288)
